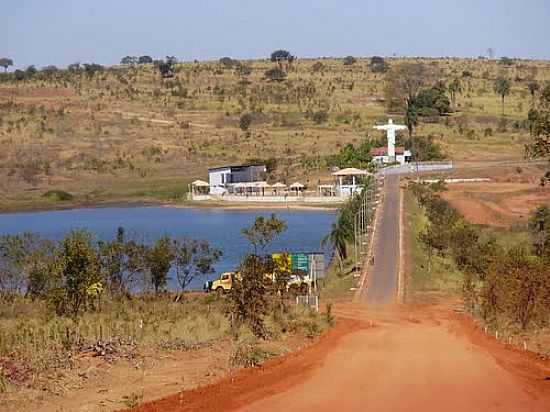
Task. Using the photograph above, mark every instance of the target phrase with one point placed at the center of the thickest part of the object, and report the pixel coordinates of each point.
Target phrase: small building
(380, 155)
(349, 181)
(223, 179)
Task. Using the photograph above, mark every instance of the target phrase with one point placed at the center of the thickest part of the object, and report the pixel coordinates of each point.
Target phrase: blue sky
(61, 32)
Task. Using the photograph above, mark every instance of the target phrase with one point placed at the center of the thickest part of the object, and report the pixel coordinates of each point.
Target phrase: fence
(311, 301)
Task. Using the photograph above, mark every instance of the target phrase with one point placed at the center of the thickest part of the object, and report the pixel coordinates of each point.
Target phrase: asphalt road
(381, 286)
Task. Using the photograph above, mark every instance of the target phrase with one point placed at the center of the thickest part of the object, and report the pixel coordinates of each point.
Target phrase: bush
(245, 121)
(58, 195)
(319, 117)
(349, 60)
(249, 354)
(275, 74)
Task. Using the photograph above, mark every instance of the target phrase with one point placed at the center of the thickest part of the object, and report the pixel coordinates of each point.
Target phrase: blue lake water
(221, 227)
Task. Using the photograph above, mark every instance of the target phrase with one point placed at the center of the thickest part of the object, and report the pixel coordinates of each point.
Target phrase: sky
(61, 32)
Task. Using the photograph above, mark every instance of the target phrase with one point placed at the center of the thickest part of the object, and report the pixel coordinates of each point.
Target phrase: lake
(221, 227)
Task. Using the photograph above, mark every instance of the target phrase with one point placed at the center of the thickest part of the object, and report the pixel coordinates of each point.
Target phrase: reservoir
(221, 227)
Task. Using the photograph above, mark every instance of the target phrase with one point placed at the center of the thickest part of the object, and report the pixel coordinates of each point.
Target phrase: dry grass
(114, 137)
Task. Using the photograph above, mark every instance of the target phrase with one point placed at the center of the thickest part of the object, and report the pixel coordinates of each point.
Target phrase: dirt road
(385, 359)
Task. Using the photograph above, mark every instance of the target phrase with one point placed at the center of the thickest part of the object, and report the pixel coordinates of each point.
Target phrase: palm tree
(337, 238)
(502, 88)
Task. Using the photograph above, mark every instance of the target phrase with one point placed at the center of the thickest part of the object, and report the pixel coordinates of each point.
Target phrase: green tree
(193, 258)
(338, 238)
(80, 275)
(159, 261)
(249, 300)
(502, 88)
(129, 60)
(279, 56)
(5, 63)
(145, 59)
(264, 231)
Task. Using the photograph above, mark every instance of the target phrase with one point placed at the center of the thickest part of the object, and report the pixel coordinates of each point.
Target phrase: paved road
(381, 285)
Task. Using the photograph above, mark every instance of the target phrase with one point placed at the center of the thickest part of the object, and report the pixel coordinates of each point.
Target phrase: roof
(383, 151)
(200, 183)
(351, 171)
(213, 169)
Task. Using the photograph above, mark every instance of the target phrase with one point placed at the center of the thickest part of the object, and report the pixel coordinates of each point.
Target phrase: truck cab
(222, 284)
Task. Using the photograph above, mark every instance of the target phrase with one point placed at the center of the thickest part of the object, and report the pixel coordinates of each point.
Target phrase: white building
(223, 179)
(380, 155)
(349, 181)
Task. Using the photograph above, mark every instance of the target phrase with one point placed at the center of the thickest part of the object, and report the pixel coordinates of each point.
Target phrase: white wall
(215, 180)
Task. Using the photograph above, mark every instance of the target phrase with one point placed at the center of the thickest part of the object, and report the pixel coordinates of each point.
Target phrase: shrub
(245, 121)
(275, 74)
(58, 195)
(319, 117)
(349, 60)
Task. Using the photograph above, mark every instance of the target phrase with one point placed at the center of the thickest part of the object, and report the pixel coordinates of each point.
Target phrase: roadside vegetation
(505, 281)
(62, 301)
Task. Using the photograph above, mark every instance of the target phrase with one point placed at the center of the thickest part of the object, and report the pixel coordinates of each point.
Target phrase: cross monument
(390, 129)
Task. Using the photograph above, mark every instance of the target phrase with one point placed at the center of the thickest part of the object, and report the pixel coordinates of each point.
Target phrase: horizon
(64, 32)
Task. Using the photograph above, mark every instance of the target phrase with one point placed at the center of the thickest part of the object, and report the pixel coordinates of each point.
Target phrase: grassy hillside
(128, 134)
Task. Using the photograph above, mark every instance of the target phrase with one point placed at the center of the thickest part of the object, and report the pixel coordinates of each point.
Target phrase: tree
(349, 60)
(145, 59)
(249, 302)
(539, 227)
(166, 69)
(338, 238)
(92, 68)
(5, 63)
(378, 65)
(502, 88)
(279, 56)
(263, 231)
(424, 148)
(192, 259)
(159, 260)
(80, 276)
(30, 72)
(403, 82)
(411, 116)
(129, 60)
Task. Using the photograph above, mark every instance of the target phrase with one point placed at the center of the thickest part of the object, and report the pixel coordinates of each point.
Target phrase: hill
(125, 133)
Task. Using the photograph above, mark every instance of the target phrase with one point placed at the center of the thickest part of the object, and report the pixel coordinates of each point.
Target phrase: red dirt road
(407, 358)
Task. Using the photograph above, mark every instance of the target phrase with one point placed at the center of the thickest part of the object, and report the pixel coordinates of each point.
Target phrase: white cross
(390, 129)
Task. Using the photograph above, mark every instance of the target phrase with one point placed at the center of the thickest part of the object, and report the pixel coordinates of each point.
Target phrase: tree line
(504, 285)
(74, 273)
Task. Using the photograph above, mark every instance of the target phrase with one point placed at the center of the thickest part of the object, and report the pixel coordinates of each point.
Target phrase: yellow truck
(304, 270)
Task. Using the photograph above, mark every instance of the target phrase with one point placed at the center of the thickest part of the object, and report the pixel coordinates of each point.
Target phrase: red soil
(414, 358)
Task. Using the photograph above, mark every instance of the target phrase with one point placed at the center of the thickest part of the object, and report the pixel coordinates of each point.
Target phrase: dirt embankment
(423, 358)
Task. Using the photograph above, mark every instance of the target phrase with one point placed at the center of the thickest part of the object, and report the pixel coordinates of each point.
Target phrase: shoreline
(21, 209)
